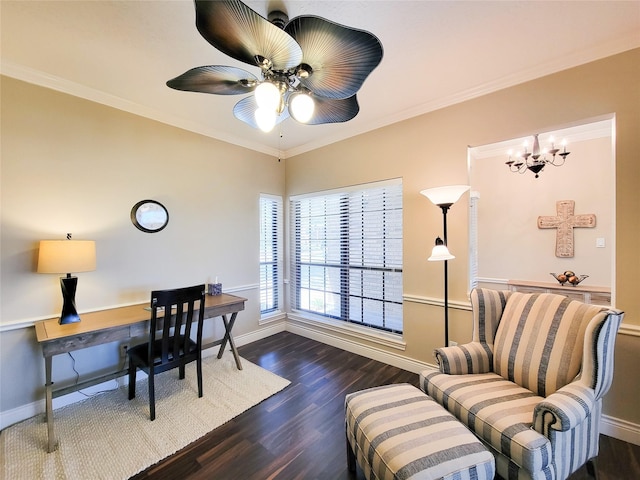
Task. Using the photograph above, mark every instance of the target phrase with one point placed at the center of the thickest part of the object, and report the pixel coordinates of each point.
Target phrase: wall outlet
(124, 348)
(452, 343)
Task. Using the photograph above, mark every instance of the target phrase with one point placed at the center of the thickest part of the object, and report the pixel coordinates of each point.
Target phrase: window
(346, 254)
(270, 220)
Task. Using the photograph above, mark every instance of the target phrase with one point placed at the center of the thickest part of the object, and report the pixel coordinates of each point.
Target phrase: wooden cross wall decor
(565, 221)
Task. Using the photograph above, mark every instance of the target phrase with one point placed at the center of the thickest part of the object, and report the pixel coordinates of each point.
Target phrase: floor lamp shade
(67, 256)
(445, 195)
(440, 252)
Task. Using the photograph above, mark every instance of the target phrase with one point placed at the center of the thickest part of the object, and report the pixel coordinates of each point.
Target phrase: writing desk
(122, 323)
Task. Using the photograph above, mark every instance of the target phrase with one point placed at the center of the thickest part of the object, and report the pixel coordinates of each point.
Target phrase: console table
(112, 325)
(584, 293)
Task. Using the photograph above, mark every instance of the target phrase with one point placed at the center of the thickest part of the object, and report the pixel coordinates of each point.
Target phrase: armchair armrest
(473, 357)
(564, 409)
(599, 343)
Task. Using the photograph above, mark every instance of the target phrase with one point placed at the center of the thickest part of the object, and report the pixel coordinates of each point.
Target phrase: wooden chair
(170, 344)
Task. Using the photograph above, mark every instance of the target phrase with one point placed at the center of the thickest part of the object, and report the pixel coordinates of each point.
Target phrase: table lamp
(65, 256)
(444, 197)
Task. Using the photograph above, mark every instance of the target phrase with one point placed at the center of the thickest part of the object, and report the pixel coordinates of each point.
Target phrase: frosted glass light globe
(267, 96)
(266, 119)
(302, 107)
(439, 253)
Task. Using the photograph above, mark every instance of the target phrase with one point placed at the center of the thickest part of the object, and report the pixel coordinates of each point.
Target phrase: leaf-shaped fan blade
(333, 110)
(245, 110)
(235, 29)
(341, 57)
(217, 79)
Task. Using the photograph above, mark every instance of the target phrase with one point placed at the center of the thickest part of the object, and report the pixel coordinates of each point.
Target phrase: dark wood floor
(299, 432)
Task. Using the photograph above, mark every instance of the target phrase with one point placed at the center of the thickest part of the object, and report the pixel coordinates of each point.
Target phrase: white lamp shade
(302, 107)
(66, 256)
(266, 119)
(445, 195)
(440, 253)
(267, 96)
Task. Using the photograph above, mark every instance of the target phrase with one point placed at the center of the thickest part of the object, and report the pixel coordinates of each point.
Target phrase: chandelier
(537, 159)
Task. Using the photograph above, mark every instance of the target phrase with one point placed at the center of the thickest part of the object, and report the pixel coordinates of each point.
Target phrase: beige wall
(70, 165)
(431, 150)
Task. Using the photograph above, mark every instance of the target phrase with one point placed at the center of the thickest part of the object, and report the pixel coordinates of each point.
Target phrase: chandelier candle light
(536, 160)
(64, 256)
(444, 197)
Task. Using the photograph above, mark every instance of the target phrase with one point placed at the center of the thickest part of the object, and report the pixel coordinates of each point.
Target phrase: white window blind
(270, 221)
(473, 239)
(346, 254)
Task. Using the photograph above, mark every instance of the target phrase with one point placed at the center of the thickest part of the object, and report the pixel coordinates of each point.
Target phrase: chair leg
(132, 380)
(181, 369)
(592, 467)
(351, 458)
(199, 370)
(152, 397)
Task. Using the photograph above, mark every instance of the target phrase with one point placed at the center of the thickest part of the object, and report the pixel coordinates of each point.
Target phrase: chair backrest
(183, 304)
(540, 341)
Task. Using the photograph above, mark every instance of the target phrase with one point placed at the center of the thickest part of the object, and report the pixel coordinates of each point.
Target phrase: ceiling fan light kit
(310, 68)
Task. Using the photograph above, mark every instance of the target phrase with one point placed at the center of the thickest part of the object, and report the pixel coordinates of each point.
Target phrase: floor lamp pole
(445, 208)
(444, 197)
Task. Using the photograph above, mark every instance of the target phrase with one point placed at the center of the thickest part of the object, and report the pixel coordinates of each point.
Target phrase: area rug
(109, 437)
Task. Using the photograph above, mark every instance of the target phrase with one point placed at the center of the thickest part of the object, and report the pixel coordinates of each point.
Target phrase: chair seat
(497, 410)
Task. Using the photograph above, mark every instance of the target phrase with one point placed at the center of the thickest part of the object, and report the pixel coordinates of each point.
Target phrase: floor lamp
(444, 197)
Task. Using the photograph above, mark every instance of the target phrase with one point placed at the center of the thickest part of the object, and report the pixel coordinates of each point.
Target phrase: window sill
(272, 317)
(391, 340)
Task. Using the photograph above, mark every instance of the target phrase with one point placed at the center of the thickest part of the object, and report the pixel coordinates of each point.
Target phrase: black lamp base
(69, 313)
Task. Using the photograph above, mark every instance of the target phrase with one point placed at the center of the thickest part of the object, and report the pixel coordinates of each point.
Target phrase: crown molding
(536, 71)
(62, 85)
(43, 79)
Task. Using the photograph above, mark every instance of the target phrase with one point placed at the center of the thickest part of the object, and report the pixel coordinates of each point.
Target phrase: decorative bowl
(569, 277)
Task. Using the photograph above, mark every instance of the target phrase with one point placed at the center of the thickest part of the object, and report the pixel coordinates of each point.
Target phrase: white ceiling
(436, 53)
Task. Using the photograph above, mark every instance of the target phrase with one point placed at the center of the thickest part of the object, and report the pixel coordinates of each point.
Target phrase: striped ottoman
(398, 432)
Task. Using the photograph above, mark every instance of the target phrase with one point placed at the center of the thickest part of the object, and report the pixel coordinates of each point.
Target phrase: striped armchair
(531, 381)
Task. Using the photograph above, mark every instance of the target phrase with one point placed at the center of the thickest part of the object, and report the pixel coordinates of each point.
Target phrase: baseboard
(613, 427)
(620, 429)
(267, 330)
(383, 356)
(15, 415)
(29, 410)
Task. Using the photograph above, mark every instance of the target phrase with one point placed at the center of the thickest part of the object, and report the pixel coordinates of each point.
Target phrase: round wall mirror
(149, 216)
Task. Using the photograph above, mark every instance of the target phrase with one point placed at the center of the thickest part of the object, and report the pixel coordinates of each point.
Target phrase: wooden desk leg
(228, 325)
(48, 389)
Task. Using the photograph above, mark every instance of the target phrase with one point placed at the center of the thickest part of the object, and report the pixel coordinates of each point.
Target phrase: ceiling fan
(310, 68)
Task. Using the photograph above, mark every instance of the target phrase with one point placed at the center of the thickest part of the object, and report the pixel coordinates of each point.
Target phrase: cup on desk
(214, 289)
